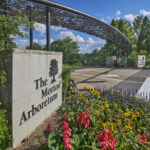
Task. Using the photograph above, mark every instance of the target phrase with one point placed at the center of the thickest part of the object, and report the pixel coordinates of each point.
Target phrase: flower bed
(106, 120)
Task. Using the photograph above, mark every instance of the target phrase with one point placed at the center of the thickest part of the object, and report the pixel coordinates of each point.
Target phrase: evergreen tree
(144, 36)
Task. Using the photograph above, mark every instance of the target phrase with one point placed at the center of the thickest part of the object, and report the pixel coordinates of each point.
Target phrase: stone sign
(141, 61)
(33, 89)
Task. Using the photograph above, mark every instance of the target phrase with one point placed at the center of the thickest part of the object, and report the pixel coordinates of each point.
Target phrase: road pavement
(107, 78)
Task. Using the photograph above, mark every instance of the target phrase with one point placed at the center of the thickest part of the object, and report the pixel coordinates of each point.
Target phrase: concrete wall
(36, 88)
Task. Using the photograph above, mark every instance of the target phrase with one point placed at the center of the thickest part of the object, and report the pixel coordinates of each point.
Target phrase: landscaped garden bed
(101, 119)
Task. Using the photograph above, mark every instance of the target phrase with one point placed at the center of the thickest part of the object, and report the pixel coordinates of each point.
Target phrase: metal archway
(65, 17)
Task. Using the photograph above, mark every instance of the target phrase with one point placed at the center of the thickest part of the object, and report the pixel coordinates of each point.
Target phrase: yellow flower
(119, 121)
(128, 127)
(137, 114)
(128, 121)
(127, 110)
(106, 105)
(86, 101)
(108, 123)
(96, 93)
(127, 113)
(133, 116)
(81, 95)
(101, 108)
(74, 90)
(116, 105)
(113, 126)
(92, 89)
(104, 125)
(85, 87)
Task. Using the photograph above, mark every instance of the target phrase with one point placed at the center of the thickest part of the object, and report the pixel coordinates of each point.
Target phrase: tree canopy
(69, 48)
(9, 27)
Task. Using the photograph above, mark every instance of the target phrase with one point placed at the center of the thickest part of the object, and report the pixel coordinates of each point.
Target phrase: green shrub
(5, 137)
(66, 79)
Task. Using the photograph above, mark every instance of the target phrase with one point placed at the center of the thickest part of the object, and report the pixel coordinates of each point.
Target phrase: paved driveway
(126, 79)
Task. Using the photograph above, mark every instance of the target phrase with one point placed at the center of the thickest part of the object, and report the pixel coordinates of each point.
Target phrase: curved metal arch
(70, 18)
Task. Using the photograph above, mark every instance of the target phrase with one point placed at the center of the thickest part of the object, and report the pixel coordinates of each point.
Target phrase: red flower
(67, 143)
(49, 128)
(143, 139)
(84, 119)
(65, 125)
(66, 132)
(106, 141)
(66, 116)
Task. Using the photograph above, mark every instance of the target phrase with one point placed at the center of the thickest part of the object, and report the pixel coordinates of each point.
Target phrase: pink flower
(106, 141)
(65, 125)
(66, 132)
(143, 139)
(67, 143)
(66, 116)
(112, 143)
(49, 128)
(84, 119)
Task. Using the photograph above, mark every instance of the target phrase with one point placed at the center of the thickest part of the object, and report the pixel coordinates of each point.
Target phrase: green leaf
(53, 141)
(43, 147)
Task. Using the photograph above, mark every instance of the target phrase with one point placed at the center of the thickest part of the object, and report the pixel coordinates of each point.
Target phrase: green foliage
(70, 50)
(132, 59)
(2, 77)
(66, 79)
(137, 24)
(5, 137)
(96, 58)
(9, 27)
(144, 36)
(36, 46)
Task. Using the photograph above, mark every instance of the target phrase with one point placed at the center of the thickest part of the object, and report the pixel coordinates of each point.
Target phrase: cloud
(86, 46)
(62, 35)
(108, 17)
(23, 43)
(145, 13)
(40, 28)
(130, 17)
(102, 19)
(56, 28)
(118, 13)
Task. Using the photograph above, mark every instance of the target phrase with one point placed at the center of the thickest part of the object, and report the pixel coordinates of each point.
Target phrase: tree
(69, 48)
(137, 24)
(36, 46)
(144, 36)
(9, 27)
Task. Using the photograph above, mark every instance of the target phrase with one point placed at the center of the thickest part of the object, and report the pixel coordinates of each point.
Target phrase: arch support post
(31, 31)
(48, 29)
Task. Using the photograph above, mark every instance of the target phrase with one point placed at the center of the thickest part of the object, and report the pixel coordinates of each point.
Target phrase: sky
(104, 10)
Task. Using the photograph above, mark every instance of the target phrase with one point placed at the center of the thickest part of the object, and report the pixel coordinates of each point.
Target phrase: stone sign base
(33, 89)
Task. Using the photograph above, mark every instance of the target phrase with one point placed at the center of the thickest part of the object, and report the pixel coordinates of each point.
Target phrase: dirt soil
(36, 139)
